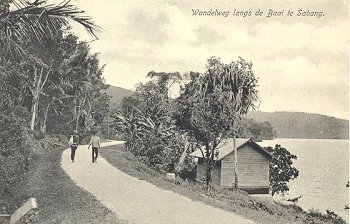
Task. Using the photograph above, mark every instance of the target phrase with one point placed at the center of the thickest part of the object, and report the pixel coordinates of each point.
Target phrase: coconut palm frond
(39, 20)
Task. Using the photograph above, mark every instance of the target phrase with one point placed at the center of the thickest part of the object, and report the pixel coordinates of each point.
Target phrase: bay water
(323, 166)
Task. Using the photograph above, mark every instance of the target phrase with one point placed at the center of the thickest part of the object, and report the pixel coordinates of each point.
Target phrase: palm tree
(20, 19)
(242, 84)
(238, 81)
(212, 104)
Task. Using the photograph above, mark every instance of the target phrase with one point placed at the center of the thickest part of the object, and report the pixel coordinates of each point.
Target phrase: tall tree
(60, 74)
(39, 79)
(26, 25)
(211, 105)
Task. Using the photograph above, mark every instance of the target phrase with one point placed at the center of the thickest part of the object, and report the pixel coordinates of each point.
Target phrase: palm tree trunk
(77, 115)
(35, 92)
(81, 104)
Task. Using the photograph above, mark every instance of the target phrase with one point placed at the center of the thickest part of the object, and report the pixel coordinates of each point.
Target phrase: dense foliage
(162, 131)
(281, 169)
(147, 124)
(209, 109)
(50, 83)
(37, 20)
(60, 83)
(15, 152)
(256, 130)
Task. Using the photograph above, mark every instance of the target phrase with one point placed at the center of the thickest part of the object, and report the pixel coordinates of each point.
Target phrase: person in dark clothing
(74, 145)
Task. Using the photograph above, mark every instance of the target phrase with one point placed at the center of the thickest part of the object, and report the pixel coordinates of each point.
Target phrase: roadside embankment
(59, 199)
(259, 210)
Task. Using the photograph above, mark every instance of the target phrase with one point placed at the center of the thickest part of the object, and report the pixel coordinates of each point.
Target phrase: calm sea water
(323, 166)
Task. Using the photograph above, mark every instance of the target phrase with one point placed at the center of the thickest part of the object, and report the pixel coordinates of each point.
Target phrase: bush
(281, 169)
(15, 150)
(61, 138)
(189, 170)
(314, 217)
(156, 150)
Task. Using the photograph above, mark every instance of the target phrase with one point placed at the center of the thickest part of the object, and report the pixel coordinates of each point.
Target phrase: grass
(59, 199)
(260, 210)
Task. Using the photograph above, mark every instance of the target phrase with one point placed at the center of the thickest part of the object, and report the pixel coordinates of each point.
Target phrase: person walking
(74, 139)
(95, 143)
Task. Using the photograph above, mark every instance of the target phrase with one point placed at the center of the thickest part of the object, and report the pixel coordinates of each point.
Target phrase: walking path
(138, 201)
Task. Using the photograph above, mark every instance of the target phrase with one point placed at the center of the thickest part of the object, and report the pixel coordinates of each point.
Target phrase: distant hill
(304, 125)
(117, 94)
(286, 124)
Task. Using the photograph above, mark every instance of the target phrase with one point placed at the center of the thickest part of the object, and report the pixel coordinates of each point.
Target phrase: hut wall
(253, 168)
(253, 171)
(227, 171)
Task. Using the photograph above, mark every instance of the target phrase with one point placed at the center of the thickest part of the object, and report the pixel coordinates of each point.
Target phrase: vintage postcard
(178, 111)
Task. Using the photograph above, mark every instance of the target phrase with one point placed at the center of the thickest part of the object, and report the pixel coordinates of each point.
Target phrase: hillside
(304, 125)
(286, 124)
(117, 94)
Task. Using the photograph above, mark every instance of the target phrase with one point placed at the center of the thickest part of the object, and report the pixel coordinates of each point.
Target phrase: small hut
(253, 166)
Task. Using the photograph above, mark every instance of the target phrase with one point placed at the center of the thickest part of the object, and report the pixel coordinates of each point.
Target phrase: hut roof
(226, 148)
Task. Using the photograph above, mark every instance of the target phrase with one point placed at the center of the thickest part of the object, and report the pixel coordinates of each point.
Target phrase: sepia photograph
(174, 111)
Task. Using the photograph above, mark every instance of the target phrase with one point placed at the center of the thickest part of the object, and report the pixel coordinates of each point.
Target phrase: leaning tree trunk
(81, 104)
(43, 124)
(33, 111)
(180, 164)
(36, 89)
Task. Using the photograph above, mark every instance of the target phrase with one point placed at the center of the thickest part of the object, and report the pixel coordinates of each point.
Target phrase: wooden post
(235, 162)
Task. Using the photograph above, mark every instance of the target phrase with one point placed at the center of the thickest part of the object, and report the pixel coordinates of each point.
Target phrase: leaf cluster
(147, 124)
(20, 20)
(212, 104)
(281, 169)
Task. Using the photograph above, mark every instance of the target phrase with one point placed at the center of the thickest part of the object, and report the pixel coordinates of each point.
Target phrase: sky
(302, 62)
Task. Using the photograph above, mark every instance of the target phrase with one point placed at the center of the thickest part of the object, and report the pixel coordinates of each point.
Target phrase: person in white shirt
(95, 143)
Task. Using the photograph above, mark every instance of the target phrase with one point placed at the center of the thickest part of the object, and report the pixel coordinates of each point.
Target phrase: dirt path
(138, 201)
